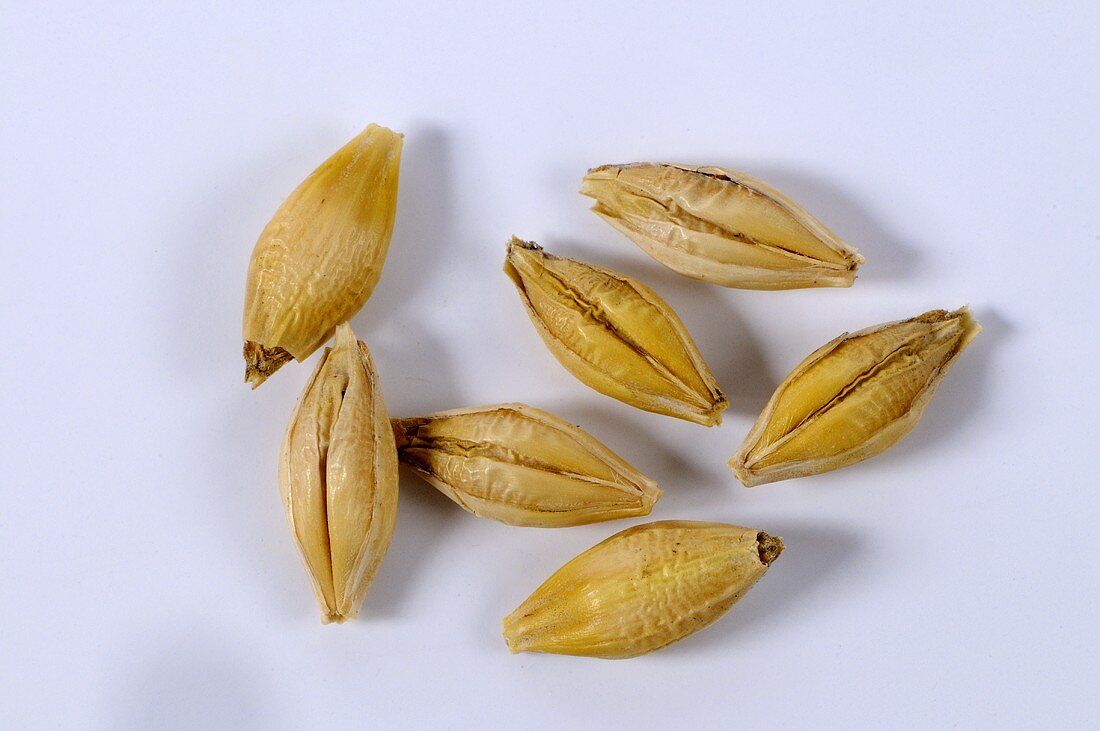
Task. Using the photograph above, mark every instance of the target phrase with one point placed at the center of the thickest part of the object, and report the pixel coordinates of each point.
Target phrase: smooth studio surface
(147, 575)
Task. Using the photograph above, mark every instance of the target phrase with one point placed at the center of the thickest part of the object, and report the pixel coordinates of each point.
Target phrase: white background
(147, 578)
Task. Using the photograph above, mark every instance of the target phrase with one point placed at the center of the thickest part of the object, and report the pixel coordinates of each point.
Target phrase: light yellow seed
(615, 335)
(338, 477)
(642, 589)
(522, 466)
(853, 398)
(319, 258)
(720, 226)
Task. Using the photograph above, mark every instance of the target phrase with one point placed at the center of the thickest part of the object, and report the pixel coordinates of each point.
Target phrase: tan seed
(319, 258)
(522, 466)
(615, 335)
(642, 589)
(720, 226)
(338, 477)
(853, 398)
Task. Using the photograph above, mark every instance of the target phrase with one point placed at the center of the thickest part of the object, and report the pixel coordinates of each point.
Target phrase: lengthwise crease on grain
(319, 258)
(338, 477)
(642, 589)
(720, 226)
(615, 335)
(853, 398)
(522, 466)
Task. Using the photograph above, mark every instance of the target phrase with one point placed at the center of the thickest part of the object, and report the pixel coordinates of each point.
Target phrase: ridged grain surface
(522, 466)
(615, 335)
(853, 398)
(642, 589)
(338, 477)
(720, 226)
(319, 258)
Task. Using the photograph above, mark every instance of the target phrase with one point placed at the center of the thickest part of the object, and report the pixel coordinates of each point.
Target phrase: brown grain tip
(261, 362)
(405, 430)
(769, 547)
(518, 243)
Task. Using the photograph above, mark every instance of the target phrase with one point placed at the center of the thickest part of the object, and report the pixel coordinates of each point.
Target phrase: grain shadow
(424, 517)
(414, 384)
(799, 578)
(638, 444)
(962, 395)
(729, 346)
(423, 229)
(889, 255)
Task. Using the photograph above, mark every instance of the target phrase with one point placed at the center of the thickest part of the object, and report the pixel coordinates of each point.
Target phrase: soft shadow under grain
(661, 459)
(727, 343)
(796, 581)
(424, 517)
(889, 255)
(423, 229)
(961, 396)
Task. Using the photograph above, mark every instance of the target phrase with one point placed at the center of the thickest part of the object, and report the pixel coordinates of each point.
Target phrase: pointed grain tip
(404, 430)
(261, 362)
(344, 336)
(513, 636)
(517, 243)
(973, 327)
(721, 403)
(737, 464)
(650, 499)
(769, 547)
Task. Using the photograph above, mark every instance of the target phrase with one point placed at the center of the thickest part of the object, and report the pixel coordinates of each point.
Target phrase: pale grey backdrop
(147, 578)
